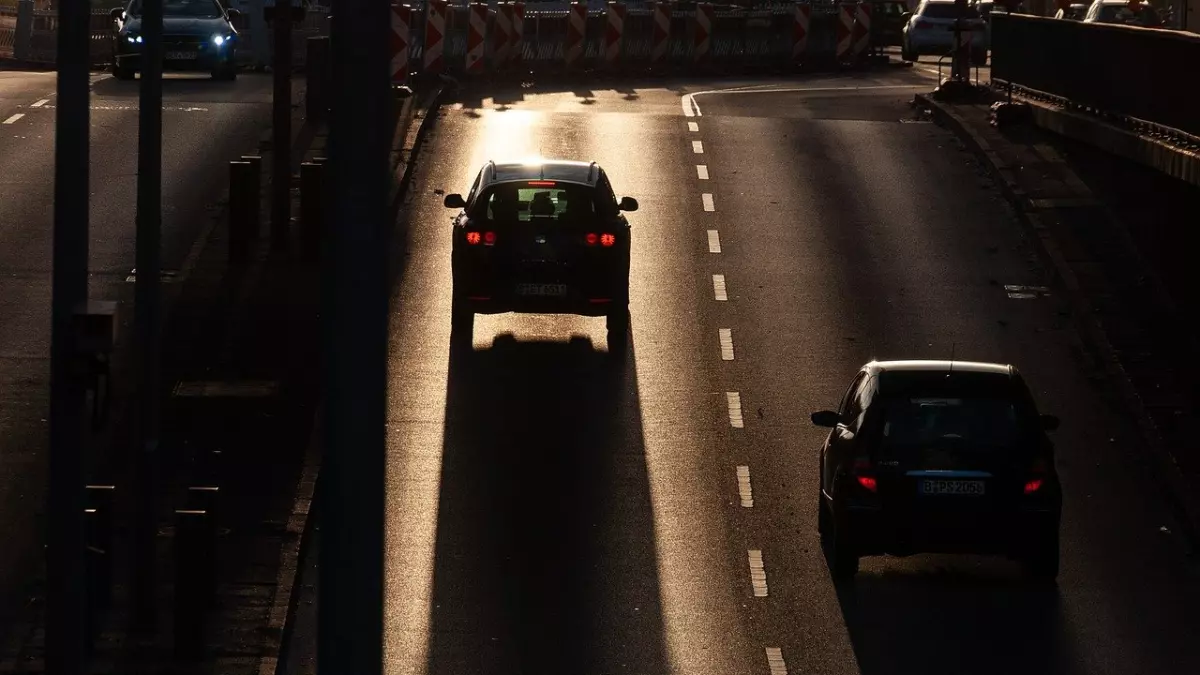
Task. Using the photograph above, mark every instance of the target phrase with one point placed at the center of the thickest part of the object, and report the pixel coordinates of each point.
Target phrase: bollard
(312, 209)
(240, 205)
(255, 188)
(317, 79)
(208, 470)
(206, 498)
(195, 580)
(98, 542)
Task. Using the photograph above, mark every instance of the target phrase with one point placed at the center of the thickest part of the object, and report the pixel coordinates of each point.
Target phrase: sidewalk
(1124, 304)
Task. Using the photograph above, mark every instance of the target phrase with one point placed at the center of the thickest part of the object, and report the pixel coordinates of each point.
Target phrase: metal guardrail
(1142, 76)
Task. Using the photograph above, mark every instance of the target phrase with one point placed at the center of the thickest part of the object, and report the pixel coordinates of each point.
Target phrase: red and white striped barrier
(862, 29)
(502, 37)
(435, 36)
(703, 39)
(800, 33)
(662, 32)
(576, 29)
(614, 31)
(401, 32)
(844, 31)
(477, 15)
(517, 42)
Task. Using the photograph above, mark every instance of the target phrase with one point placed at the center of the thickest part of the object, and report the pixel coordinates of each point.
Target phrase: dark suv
(545, 237)
(939, 457)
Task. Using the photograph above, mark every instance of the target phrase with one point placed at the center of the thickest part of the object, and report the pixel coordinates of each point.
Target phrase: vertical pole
(66, 621)
(281, 175)
(146, 304)
(354, 333)
(960, 66)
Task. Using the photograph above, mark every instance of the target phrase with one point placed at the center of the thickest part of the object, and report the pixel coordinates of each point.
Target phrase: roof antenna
(952, 346)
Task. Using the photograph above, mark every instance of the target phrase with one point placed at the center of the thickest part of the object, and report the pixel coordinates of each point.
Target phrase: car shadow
(545, 546)
(949, 622)
(174, 84)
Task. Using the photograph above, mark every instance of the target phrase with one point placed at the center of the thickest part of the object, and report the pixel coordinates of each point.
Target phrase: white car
(929, 30)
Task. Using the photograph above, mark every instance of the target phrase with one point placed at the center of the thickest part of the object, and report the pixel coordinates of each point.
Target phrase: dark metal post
(146, 306)
(312, 210)
(355, 310)
(255, 194)
(281, 146)
(960, 66)
(241, 201)
(316, 88)
(66, 620)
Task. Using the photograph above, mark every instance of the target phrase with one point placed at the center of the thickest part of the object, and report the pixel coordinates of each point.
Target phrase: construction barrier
(800, 32)
(401, 42)
(477, 19)
(615, 30)
(435, 35)
(660, 39)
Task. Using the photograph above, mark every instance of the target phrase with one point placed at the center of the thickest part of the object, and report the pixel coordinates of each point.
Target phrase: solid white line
(14, 118)
(775, 661)
(692, 126)
(40, 103)
(689, 106)
(733, 401)
(725, 337)
(702, 171)
(785, 90)
(719, 287)
(758, 574)
(714, 242)
(744, 491)
(698, 147)
(707, 199)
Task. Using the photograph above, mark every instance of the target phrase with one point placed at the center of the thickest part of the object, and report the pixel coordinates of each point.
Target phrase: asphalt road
(551, 511)
(205, 124)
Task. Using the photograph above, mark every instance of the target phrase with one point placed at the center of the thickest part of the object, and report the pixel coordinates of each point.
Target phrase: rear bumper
(591, 289)
(874, 532)
(577, 305)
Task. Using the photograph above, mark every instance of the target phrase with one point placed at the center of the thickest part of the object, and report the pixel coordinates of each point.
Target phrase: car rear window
(1145, 16)
(947, 10)
(545, 201)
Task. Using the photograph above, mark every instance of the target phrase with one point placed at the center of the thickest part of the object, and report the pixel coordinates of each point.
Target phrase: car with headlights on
(197, 36)
(944, 457)
(541, 237)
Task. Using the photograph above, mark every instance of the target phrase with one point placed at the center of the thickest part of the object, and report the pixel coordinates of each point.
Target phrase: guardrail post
(195, 580)
(98, 540)
(241, 201)
(316, 77)
(255, 195)
(206, 498)
(23, 36)
(312, 209)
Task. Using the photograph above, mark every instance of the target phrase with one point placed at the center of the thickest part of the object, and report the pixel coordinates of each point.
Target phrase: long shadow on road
(545, 559)
(949, 623)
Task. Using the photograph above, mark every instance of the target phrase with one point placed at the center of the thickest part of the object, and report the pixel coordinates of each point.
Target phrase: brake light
(1033, 486)
(608, 240)
(473, 238)
(1039, 470)
(592, 238)
(542, 183)
(489, 238)
(868, 482)
(862, 471)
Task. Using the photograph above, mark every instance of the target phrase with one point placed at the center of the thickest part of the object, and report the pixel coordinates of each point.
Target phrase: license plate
(952, 487)
(543, 290)
(181, 56)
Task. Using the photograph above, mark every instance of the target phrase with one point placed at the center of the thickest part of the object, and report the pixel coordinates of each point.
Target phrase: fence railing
(1142, 73)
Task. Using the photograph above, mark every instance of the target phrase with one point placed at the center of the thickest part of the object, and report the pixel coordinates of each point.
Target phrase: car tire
(225, 73)
(840, 554)
(462, 325)
(1042, 563)
(906, 54)
(822, 515)
(617, 322)
(121, 72)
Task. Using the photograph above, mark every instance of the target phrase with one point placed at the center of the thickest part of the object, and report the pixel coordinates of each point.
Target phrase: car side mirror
(454, 201)
(826, 418)
(1049, 422)
(628, 204)
(233, 14)
(906, 16)
(116, 13)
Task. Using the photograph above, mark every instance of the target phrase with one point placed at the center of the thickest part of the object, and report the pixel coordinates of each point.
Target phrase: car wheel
(225, 73)
(122, 72)
(1042, 563)
(906, 54)
(462, 325)
(617, 323)
(822, 516)
(840, 552)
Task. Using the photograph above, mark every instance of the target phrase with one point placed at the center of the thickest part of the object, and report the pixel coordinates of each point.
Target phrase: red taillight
(868, 482)
(592, 238)
(1033, 486)
(473, 238)
(862, 471)
(542, 183)
(1039, 470)
(608, 240)
(489, 238)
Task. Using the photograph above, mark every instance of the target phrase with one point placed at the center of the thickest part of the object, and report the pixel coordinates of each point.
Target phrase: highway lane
(205, 124)
(551, 510)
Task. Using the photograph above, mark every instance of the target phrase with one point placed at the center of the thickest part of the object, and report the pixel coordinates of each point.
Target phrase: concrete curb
(283, 607)
(1181, 500)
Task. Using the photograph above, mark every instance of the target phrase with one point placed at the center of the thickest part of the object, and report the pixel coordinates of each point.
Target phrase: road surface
(550, 511)
(205, 124)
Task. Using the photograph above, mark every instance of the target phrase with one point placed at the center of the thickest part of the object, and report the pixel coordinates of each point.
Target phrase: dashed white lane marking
(14, 118)
(40, 103)
(702, 171)
(725, 336)
(719, 288)
(692, 126)
(744, 491)
(758, 574)
(690, 109)
(714, 242)
(707, 198)
(733, 401)
(775, 661)
(698, 147)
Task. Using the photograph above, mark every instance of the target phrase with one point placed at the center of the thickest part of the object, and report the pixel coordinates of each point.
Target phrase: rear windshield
(1145, 16)
(953, 433)
(947, 10)
(542, 201)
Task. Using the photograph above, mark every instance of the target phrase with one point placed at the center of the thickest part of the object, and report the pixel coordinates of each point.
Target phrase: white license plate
(543, 290)
(181, 56)
(952, 487)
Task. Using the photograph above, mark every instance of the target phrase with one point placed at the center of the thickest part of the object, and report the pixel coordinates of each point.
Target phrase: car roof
(567, 171)
(940, 366)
